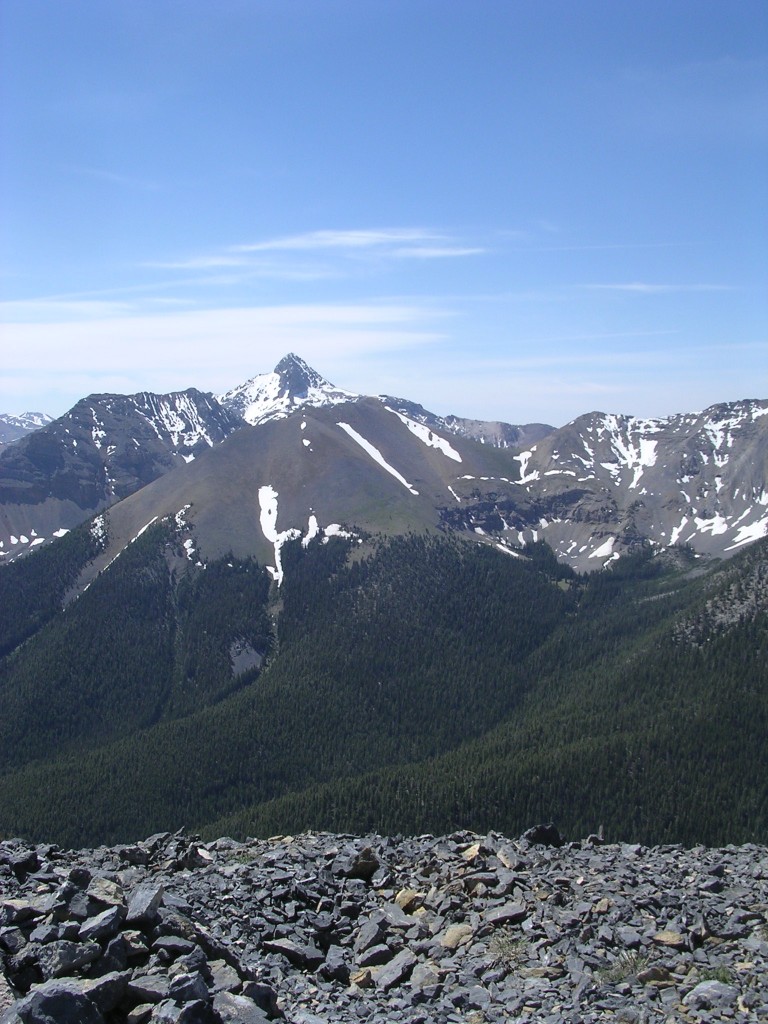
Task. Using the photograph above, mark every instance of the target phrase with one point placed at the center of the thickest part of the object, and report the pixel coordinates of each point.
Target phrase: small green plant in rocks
(507, 948)
(626, 964)
(721, 974)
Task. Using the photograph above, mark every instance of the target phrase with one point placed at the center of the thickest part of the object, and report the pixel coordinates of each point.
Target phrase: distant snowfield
(747, 534)
(629, 455)
(376, 455)
(313, 530)
(429, 437)
(604, 550)
(524, 458)
(268, 521)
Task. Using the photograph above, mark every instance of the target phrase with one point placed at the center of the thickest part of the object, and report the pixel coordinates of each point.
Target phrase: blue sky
(508, 209)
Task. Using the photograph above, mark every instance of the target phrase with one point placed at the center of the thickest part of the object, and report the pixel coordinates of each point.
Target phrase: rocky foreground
(319, 928)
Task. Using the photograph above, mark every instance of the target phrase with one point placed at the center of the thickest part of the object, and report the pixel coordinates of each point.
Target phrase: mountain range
(14, 427)
(289, 607)
(288, 454)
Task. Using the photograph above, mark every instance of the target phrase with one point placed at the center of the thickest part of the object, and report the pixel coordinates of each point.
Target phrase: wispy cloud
(212, 262)
(362, 239)
(209, 348)
(244, 268)
(434, 252)
(319, 255)
(649, 288)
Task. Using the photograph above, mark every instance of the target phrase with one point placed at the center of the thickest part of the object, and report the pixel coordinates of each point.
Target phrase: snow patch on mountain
(336, 530)
(604, 550)
(508, 550)
(747, 534)
(99, 529)
(429, 437)
(98, 433)
(268, 522)
(32, 541)
(376, 455)
(313, 529)
(525, 477)
(28, 420)
(677, 531)
(178, 416)
(180, 519)
(629, 445)
(144, 529)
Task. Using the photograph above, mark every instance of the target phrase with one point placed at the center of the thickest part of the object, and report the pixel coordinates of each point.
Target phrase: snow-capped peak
(32, 420)
(291, 384)
(297, 377)
(12, 427)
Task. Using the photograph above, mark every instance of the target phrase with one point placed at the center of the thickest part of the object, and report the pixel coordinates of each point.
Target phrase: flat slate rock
(58, 1002)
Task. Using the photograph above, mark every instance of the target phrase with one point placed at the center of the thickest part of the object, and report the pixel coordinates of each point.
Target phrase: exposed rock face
(597, 486)
(594, 489)
(105, 448)
(458, 928)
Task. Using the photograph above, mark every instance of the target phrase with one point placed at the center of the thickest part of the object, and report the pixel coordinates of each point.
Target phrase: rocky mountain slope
(698, 479)
(593, 489)
(104, 448)
(319, 928)
(359, 468)
(110, 446)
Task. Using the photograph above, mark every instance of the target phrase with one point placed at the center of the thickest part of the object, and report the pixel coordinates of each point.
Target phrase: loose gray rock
(143, 904)
(62, 957)
(459, 928)
(396, 971)
(149, 988)
(234, 1009)
(103, 926)
(107, 991)
(509, 913)
(711, 995)
(185, 988)
(302, 955)
(58, 1002)
(170, 1012)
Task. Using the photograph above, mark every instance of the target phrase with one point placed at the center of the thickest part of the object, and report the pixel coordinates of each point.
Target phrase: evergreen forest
(414, 684)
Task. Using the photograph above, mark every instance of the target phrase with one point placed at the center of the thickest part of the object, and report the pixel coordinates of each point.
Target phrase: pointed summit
(296, 377)
(291, 384)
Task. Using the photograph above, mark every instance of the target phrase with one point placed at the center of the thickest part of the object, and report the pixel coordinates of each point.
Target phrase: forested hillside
(415, 684)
